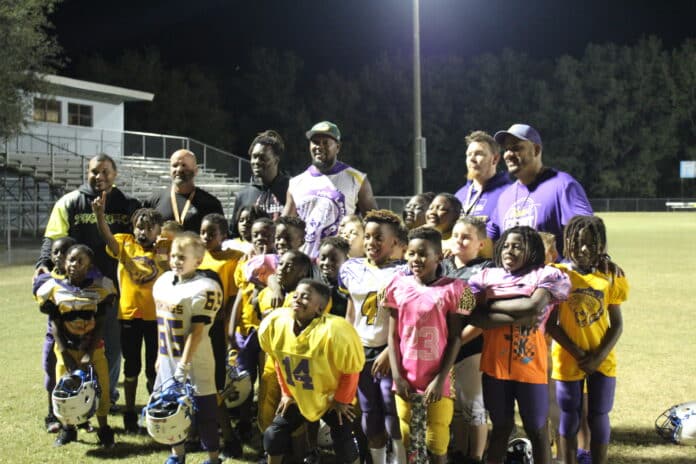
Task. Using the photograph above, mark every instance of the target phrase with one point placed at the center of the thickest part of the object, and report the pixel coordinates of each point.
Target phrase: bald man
(183, 202)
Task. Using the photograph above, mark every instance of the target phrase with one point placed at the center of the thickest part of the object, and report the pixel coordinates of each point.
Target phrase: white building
(77, 116)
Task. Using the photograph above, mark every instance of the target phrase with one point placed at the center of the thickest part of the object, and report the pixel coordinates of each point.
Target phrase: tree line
(619, 118)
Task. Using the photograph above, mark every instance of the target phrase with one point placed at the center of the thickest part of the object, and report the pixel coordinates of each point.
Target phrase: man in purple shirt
(541, 197)
(479, 195)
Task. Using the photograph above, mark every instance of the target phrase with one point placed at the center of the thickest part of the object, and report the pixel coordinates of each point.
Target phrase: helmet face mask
(519, 452)
(678, 424)
(75, 397)
(237, 384)
(168, 414)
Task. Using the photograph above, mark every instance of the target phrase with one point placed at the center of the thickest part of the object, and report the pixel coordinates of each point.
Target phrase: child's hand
(403, 389)
(284, 404)
(99, 204)
(381, 367)
(86, 359)
(343, 410)
(434, 391)
(182, 370)
(589, 363)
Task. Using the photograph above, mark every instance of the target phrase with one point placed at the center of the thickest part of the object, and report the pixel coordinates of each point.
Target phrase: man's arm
(290, 208)
(366, 200)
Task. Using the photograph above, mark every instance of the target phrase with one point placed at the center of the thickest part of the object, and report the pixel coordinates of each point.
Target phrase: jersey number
(173, 327)
(369, 308)
(299, 374)
(425, 344)
(213, 300)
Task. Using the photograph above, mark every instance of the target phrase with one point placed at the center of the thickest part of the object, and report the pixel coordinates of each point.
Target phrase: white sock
(399, 452)
(379, 455)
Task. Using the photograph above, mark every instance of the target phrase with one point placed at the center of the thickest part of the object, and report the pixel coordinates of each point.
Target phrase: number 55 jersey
(312, 362)
(180, 303)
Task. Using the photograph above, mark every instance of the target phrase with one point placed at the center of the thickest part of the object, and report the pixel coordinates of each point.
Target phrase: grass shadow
(636, 445)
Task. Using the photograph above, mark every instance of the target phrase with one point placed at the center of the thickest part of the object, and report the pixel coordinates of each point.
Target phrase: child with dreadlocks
(138, 269)
(514, 301)
(585, 329)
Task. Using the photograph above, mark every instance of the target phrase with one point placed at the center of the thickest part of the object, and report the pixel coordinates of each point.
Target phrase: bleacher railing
(87, 142)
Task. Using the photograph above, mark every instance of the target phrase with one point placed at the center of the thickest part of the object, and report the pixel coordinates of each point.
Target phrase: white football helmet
(324, 439)
(678, 424)
(519, 452)
(237, 383)
(169, 412)
(76, 396)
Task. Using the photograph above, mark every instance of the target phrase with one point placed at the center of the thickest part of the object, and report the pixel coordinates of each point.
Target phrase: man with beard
(479, 195)
(72, 216)
(184, 202)
(327, 190)
(270, 186)
(542, 197)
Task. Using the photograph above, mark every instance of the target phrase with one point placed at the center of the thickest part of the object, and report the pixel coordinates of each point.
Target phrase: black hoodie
(72, 216)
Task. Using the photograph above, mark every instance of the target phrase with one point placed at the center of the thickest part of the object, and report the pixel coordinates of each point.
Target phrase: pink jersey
(422, 323)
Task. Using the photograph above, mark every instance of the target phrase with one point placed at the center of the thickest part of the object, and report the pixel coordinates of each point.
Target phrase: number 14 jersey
(313, 361)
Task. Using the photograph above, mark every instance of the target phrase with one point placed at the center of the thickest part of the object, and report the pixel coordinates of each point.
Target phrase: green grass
(657, 354)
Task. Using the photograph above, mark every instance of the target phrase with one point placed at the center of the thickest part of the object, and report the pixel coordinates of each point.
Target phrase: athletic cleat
(231, 449)
(130, 422)
(65, 436)
(52, 424)
(175, 460)
(584, 456)
(106, 436)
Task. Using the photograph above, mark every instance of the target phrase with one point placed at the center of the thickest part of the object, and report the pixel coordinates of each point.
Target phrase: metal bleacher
(31, 179)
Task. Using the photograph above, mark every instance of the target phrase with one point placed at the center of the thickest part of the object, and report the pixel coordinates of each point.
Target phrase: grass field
(657, 354)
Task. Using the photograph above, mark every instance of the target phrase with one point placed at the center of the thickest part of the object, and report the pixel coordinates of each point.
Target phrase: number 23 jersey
(179, 304)
(313, 361)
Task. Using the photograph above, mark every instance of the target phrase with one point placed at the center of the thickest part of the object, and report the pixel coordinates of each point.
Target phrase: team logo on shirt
(521, 213)
(587, 305)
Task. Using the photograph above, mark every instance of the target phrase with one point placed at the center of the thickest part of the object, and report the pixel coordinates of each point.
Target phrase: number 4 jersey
(313, 361)
(179, 304)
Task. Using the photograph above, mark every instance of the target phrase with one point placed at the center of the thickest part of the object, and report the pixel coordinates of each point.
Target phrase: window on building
(46, 110)
(79, 115)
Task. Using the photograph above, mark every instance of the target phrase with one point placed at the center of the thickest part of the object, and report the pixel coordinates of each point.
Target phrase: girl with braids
(585, 329)
(514, 301)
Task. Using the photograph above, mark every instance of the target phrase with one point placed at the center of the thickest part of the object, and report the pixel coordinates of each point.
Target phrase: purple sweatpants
(532, 400)
(600, 400)
(377, 404)
(207, 421)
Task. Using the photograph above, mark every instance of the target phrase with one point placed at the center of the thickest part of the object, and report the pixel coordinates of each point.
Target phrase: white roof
(107, 90)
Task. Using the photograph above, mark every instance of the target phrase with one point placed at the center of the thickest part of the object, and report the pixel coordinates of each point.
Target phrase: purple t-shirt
(546, 205)
(482, 205)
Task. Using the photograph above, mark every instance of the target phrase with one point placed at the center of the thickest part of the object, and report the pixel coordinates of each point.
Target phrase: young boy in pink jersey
(424, 328)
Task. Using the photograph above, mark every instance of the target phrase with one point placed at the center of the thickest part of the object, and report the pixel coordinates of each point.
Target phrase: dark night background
(287, 64)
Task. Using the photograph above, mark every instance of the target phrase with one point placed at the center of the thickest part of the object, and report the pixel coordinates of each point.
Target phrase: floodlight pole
(418, 140)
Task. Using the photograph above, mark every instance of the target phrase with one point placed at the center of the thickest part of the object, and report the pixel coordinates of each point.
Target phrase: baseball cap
(326, 128)
(520, 131)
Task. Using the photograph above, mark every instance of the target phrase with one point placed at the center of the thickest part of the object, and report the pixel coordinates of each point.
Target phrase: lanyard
(187, 205)
(471, 202)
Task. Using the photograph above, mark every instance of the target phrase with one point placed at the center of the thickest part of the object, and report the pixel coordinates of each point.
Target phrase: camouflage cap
(325, 128)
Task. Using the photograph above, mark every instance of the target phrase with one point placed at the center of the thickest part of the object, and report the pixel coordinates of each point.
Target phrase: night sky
(347, 34)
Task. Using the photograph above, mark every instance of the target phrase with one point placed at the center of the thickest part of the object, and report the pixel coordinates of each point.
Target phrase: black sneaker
(66, 435)
(244, 430)
(106, 436)
(231, 449)
(130, 422)
(52, 424)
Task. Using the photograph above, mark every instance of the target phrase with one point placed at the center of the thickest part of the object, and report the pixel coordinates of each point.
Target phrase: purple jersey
(547, 205)
(481, 204)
